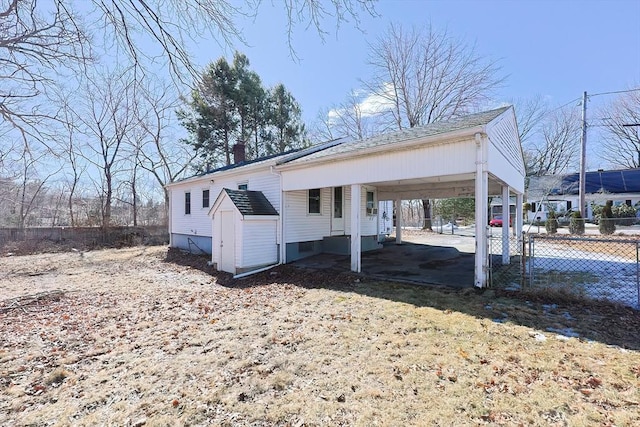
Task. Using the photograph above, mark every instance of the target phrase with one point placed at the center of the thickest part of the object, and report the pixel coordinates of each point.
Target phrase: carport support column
(482, 205)
(506, 221)
(356, 245)
(398, 222)
(517, 229)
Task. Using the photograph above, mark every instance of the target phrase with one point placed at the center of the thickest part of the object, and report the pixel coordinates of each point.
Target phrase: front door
(337, 218)
(227, 242)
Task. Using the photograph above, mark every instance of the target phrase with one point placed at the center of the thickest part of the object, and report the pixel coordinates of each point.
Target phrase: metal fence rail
(507, 273)
(604, 268)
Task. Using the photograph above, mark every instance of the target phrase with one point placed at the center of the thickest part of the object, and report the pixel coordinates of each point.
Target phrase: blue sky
(557, 49)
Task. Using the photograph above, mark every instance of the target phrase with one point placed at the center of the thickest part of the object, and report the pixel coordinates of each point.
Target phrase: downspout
(169, 218)
(283, 250)
(260, 270)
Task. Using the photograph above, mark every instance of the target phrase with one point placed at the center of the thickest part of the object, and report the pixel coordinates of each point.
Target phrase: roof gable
(433, 129)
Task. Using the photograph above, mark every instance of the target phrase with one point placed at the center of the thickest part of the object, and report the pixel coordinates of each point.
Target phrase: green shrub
(552, 223)
(607, 224)
(576, 224)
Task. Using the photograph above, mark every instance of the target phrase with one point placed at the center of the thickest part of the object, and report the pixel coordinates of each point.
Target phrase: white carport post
(517, 230)
(398, 221)
(506, 221)
(356, 246)
(482, 202)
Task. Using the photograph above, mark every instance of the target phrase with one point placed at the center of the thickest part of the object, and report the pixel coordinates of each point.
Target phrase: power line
(616, 91)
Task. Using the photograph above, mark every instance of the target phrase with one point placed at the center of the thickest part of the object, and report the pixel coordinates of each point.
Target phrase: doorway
(227, 242)
(337, 217)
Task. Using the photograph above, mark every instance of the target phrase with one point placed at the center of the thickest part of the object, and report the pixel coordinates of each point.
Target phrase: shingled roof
(436, 128)
(251, 202)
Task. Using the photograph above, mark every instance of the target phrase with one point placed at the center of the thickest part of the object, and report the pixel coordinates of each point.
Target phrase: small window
(314, 201)
(187, 203)
(243, 186)
(205, 198)
(370, 200)
(627, 202)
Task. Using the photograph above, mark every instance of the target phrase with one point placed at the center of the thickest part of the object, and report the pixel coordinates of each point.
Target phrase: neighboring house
(560, 193)
(327, 198)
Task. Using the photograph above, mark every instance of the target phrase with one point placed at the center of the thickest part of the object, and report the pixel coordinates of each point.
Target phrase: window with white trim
(314, 201)
(205, 198)
(187, 203)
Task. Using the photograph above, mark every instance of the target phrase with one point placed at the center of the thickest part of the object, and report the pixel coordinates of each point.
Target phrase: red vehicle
(497, 221)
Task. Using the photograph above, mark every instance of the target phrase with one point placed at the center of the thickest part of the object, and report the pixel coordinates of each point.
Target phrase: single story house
(560, 193)
(326, 198)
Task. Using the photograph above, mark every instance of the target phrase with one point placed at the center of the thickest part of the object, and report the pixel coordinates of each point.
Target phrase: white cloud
(369, 104)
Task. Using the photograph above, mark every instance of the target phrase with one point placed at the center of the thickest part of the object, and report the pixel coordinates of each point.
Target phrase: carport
(473, 156)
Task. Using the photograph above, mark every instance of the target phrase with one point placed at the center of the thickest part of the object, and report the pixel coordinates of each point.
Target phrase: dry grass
(135, 340)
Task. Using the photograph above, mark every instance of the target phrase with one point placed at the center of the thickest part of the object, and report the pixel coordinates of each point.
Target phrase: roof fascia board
(260, 217)
(227, 173)
(403, 145)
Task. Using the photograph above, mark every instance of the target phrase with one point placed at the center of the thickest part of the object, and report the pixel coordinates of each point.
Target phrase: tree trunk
(426, 206)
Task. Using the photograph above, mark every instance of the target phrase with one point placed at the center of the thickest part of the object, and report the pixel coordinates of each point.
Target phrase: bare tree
(166, 158)
(530, 113)
(357, 117)
(40, 37)
(554, 152)
(108, 118)
(425, 75)
(621, 144)
(36, 38)
(32, 186)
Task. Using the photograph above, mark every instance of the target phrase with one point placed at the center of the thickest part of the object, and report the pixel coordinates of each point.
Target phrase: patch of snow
(564, 333)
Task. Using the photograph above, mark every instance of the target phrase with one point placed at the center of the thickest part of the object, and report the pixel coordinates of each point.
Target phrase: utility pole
(583, 157)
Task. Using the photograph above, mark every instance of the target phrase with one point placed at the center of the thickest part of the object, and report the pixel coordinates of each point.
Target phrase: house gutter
(260, 270)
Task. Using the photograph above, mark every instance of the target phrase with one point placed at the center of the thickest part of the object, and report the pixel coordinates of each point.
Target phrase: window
(243, 186)
(337, 202)
(370, 200)
(205, 198)
(187, 203)
(314, 201)
(371, 204)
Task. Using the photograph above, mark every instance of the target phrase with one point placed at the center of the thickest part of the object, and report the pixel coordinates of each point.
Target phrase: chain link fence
(506, 270)
(604, 268)
(593, 267)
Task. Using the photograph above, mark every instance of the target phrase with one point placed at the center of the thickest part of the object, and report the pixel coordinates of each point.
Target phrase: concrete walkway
(414, 262)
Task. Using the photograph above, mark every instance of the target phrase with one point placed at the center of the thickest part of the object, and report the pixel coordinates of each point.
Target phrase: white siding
(452, 158)
(198, 222)
(259, 245)
(300, 225)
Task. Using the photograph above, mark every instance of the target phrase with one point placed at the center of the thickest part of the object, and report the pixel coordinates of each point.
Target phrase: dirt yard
(140, 336)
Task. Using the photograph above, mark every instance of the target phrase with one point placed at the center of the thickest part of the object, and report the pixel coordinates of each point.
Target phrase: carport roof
(436, 128)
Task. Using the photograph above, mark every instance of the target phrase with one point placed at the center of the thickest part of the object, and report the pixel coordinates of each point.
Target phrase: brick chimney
(239, 154)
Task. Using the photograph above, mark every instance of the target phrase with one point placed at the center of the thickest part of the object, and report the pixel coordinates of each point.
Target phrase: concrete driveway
(423, 258)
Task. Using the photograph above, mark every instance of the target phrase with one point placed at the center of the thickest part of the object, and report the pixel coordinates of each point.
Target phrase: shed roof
(435, 128)
(251, 202)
